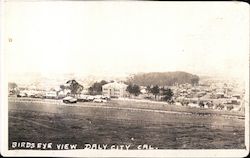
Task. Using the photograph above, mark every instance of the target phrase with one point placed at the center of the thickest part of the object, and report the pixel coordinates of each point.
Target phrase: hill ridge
(163, 78)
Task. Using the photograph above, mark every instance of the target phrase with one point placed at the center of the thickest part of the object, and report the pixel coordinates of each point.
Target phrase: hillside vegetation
(163, 78)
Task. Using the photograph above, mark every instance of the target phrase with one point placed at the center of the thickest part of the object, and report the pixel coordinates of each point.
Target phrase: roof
(115, 85)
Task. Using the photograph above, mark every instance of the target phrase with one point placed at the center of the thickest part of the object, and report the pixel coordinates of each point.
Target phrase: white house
(63, 93)
(51, 94)
(114, 89)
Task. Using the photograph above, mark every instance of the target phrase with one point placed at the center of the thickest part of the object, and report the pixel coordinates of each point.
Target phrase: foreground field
(124, 122)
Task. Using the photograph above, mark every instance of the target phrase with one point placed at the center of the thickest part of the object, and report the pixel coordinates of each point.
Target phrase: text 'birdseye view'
(116, 76)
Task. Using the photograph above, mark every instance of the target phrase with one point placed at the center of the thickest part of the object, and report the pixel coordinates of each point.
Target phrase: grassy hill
(163, 78)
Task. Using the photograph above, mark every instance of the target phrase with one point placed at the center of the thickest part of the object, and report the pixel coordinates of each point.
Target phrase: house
(63, 93)
(143, 90)
(219, 95)
(237, 96)
(22, 94)
(114, 89)
(51, 95)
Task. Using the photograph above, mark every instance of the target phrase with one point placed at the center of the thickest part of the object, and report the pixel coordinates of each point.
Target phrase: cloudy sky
(118, 38)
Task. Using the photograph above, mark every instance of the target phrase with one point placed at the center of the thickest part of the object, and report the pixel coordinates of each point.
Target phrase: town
(207, 93)
(129, 110)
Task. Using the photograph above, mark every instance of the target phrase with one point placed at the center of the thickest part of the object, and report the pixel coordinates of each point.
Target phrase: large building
(114, 89)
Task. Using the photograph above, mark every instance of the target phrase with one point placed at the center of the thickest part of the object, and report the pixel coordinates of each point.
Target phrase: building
(63, 93)
(51, 95)
(114, 89)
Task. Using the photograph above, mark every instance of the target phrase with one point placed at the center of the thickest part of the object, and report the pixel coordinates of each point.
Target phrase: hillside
(163, 78)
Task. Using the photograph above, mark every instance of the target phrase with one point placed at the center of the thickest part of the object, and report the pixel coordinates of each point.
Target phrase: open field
(124, 122)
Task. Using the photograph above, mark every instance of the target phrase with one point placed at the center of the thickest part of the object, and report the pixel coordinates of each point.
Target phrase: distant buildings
(51, 95)
(209, 94)
(114, 89)
(63, 93)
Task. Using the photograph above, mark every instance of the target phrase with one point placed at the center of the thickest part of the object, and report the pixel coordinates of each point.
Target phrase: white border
(110, 153)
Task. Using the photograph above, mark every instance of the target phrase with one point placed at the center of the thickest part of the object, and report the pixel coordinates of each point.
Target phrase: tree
(167, 94)
(103, 82)
(75, 87)
(133, 89)
(162, 78)
(148, 89)
(194, 81)
(91, 91)
(136, 90)
(62, 87)
(96, 88)
(155, 90)
(201, 104)
(130, 89)
(13, 88)
(12, 85)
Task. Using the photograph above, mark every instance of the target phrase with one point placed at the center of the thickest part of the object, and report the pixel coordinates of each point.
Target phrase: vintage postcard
(124, 79)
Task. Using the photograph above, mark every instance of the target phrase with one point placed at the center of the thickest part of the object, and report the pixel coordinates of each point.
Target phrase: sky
(117, 38)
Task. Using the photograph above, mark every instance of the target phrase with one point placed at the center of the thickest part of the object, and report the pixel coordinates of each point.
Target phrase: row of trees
(76, 88)
(166, 93)
(133, 89)
(96, 88)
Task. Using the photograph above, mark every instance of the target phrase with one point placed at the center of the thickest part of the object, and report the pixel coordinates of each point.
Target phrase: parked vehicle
(37, 95)
(82, 98)
(69, 100)
(99, 101)
(105, 97)
(90, 98)
(193, 105)
(21, 94)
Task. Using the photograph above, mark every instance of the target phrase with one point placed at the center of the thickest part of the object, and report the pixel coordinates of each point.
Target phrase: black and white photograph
(125, 78)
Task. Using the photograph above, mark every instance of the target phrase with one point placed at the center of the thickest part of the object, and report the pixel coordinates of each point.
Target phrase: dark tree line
(166, 93)
(163, 78)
